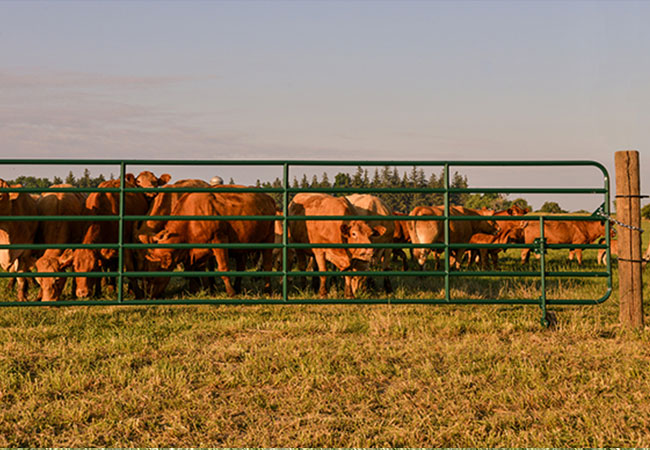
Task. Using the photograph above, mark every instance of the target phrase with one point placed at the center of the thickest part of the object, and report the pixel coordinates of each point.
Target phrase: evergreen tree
(357, 179)
(84, 181)
(97, 181)
(325, 181)
(376, 180)
(458, 181)
(304, 183)
(70, 179)
(57, 180)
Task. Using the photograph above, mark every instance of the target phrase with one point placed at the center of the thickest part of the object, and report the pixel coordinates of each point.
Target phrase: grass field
(328, 376)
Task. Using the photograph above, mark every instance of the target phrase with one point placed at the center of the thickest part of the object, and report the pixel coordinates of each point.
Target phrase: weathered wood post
(628, 211)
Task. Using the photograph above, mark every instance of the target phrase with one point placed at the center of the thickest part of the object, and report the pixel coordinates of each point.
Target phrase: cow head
(86, 260)
(147, 179)
(51, 287)
(359, 232)
(157, 260)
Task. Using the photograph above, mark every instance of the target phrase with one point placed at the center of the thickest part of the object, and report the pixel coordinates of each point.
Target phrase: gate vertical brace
(120, 238)
(285, 230)
(447, 255)
(542, 269)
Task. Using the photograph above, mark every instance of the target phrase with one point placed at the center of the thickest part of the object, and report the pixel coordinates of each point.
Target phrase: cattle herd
(217, 202)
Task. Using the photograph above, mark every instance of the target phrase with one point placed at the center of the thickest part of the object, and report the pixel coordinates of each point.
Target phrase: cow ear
(66, 258)
(345, 230)
(129, 178)
(378, 230)
(164, 179)
(157, 237)
(145, 238)
(14, 195)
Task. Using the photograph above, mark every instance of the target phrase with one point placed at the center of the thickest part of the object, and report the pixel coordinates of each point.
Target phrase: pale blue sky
(325, 80)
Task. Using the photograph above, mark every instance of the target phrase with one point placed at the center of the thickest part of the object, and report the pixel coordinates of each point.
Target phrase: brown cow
(331, 232)
(57, 232)
(17, 260)
(147, 179)
(215, 232)
(428, 232)
(105, 232)
(563, 232)
(162, 205)
(486, 255)
(370, 205)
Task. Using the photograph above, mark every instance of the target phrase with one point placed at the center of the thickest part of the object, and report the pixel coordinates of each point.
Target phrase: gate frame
(542, 301)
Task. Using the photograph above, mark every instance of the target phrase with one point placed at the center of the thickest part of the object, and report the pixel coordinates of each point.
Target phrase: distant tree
(435, 183)
(314, 181)
(551, 207)
(342, 180)
(57, 180)
(493, 201)
(304, 183)
(522, 203)
(231, 181)
(325, 181)
(97, 181)
(85, 180)
(458, 182)
(357, 179)
(645, 211)
(70, 179)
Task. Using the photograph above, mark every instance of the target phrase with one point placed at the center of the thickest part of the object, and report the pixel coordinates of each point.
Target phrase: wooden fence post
(628, 211)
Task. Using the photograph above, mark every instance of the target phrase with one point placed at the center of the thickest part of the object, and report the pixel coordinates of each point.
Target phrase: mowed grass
(329, 376)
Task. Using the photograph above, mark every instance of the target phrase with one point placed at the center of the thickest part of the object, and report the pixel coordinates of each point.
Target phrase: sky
(333, 80)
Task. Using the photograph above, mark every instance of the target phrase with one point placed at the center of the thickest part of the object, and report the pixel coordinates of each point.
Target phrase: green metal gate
(543, 274)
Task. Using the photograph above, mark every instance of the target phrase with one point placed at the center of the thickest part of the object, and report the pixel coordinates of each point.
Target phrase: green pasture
(330, 376)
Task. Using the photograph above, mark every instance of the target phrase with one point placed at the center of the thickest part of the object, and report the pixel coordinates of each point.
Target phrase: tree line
(386, 177)
(390, 177)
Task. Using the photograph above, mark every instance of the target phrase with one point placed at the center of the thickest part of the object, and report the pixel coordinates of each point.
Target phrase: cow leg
(240, 266)
(267, 265)
(23, 286)
(12, 284)
(348, 287)
(301, 261)
(221, 255)
(322, 267)
(578, 252)
(73, 294)
(525, 255)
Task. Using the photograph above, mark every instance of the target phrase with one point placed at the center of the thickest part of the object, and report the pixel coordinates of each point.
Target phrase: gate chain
(600, 212)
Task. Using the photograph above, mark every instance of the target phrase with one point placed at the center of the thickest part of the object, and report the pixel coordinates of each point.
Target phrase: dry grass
(326, 376)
